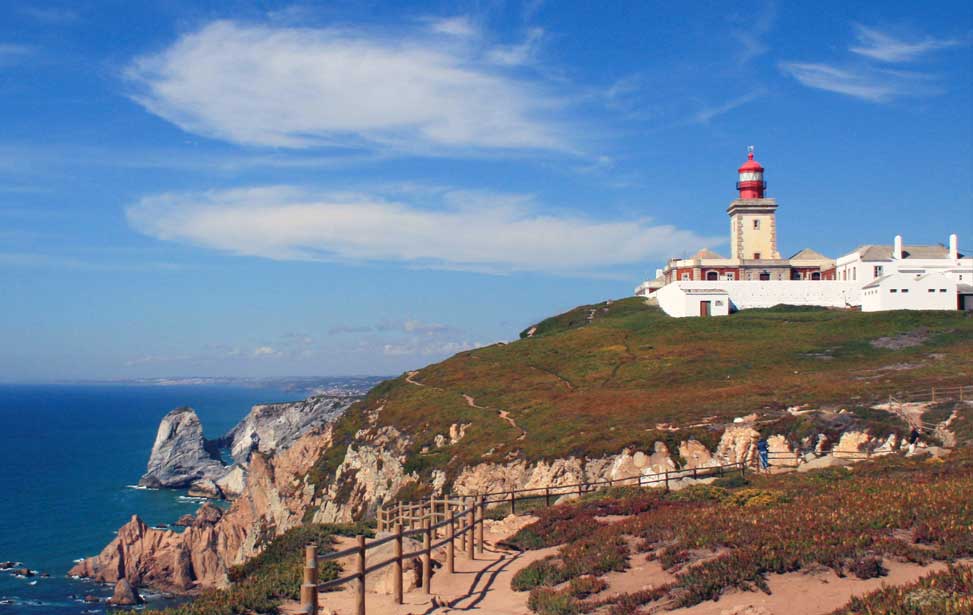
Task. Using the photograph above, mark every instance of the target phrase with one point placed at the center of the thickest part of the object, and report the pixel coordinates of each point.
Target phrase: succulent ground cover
(713, 538)
(949, 592)
(264, 581)
(630, 374)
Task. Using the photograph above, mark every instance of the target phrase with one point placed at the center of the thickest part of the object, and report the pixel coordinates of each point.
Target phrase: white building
(870, 262)
(709, 298)
(910, 291)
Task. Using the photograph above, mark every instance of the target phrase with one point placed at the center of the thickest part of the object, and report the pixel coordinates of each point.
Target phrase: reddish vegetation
(714, 539)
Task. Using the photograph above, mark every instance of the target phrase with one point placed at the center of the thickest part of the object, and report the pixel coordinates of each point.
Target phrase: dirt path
(481, 585)
(503, 414)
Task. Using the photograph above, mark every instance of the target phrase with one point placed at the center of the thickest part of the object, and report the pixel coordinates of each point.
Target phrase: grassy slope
(595, 388)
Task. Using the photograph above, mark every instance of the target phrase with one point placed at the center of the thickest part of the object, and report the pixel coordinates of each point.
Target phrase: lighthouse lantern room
(753, 217)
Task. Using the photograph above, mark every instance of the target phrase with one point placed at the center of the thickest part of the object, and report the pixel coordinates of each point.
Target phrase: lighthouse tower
(753, 219)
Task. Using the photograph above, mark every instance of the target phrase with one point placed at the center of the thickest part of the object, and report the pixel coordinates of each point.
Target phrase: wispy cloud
(884, 47)
(486, 232)
(50, 14)
(754, 25)
(875, 86)
(866, 75)
(519, 54)
(708, 113)
(11, 53)
(303, 87)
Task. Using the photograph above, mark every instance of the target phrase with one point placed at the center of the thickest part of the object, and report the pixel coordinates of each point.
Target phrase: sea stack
(181, 455)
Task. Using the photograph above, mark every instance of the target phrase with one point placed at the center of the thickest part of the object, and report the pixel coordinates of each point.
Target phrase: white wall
(746, 294)
(677, 303)
(911, 293)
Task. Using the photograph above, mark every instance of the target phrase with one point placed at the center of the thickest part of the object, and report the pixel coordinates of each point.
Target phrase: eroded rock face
(852, 443)
(233, 482)
(738, 445)
(180, 454)
(271, 427)
(125, 594)
(274, 501)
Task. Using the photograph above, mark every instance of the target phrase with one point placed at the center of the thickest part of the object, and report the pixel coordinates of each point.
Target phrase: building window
(854, 273)
(685, 276)
(712, 275)
(816, 275)
(877, 272)
(756, 225)
(731, 276)
(892, 290)
(932, 290)
(756, 256)
(905, 290)
(942, 290)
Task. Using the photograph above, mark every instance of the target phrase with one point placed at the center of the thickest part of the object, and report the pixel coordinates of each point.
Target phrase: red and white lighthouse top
(751, 182)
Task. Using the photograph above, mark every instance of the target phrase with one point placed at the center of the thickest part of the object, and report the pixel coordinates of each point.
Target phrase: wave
(141, 487)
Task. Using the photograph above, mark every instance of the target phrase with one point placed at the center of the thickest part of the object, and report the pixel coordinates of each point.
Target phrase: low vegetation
(603, 377)
(264, 581)
(949, 592)
(714, 538)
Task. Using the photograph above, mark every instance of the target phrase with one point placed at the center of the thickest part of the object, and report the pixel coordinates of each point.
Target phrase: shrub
(949, 592)
(582, 587)
(544, 572)
(868, 567)
(547, 601)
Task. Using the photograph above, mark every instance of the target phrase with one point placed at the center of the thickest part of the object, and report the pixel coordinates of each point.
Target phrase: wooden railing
(934, 394)
(442, 521)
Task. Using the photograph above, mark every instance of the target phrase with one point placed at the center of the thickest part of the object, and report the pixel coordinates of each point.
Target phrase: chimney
(953, 247)
(897, 248)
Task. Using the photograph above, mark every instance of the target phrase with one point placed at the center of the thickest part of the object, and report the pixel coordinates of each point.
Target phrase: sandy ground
(482, 585)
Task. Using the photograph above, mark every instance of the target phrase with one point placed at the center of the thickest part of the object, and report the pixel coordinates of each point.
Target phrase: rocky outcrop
(271, 427)
(125, 594)
(233, 482)
(738, 445)
(274, 500)
(180, 454)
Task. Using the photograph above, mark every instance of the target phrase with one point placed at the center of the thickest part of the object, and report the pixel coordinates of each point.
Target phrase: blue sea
(69, 456)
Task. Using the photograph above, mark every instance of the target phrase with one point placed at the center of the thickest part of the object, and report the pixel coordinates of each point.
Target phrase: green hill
(602, 377)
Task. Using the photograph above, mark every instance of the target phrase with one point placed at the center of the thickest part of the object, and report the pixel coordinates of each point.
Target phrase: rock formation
(181, 454)
(125, 594)
(271, 427)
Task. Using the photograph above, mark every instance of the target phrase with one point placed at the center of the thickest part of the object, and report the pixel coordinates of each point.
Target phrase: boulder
(205, 488)
(738, 445)
(779, 452)
(852, 444)
(233, 482)
(206, 515)
(696, 454)
(125, 594)
(184, 521)
(89, 599)
(180, 454)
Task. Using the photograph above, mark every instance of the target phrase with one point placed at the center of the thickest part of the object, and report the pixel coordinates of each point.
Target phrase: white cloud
(472, 231)
(881, 46)
(303, 87)
(454, 26)
(266, 352)
(519, 54)
(875, 85)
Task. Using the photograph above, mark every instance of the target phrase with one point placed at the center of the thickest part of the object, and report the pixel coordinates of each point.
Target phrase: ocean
(69, 458)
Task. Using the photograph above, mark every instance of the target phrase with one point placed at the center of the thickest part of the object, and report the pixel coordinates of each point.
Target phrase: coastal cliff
(616, 390)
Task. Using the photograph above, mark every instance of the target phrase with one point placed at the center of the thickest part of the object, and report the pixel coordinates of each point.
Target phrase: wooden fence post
(743, 470)
(397, 576)
(933, 394)
(513, 510)
(360, 598)
(450, 547)
(667, 480)
(547, 496)
(471, 529)
(695, 474)
(309, 590)
(580, 489)
(481, 505)
(401, 512)
(426, 557)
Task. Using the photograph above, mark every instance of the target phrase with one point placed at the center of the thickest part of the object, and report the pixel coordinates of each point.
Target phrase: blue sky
(261, 189)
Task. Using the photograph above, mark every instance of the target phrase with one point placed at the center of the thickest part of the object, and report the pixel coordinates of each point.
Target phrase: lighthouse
(753, 217)
(750, 180)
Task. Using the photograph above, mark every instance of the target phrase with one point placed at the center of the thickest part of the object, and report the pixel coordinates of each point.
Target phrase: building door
(704, 308)
(712, 275)
(764, 275)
